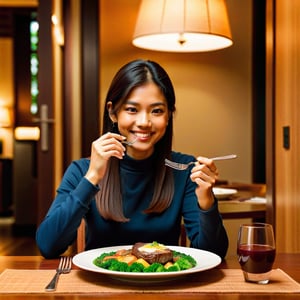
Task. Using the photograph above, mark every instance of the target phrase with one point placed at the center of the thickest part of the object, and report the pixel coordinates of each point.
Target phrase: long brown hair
(130, 76)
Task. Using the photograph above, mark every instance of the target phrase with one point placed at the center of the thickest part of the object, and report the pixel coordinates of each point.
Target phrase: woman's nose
(143, 119)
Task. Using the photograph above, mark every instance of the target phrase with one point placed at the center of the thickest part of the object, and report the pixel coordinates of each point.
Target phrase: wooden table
(290, 263)
(236, 207)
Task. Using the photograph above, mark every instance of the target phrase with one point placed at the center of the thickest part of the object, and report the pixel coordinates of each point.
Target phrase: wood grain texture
(287, 103)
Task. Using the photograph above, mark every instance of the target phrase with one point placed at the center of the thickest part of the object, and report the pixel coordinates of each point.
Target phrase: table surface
(289, 263)
(236, 206)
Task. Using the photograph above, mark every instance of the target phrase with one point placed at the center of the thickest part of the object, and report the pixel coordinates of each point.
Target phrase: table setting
(225, 281)
(29, 277)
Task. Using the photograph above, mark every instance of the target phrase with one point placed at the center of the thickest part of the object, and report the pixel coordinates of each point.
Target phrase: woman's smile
(142, 136)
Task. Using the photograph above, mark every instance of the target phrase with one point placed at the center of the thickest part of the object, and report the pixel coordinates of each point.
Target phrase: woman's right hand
(103, 149)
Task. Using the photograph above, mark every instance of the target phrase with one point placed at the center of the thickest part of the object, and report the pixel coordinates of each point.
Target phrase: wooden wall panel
(287, 105)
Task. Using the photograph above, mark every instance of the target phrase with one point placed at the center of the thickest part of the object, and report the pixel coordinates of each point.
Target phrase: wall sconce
(27, 133)
(182, 25)
(5, 117)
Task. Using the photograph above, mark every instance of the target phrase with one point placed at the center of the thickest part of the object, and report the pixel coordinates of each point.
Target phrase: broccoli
(122, 267)
(103, 255)
(184, 263)
(191, 260)
(176, 254)
(173, 268)
(105, 264)
(112, 264)
(136, 267)
(116, 265)
(155, 267)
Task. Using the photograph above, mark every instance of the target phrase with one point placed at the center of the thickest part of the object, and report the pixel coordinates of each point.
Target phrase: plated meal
(87, 260)
(145, 257)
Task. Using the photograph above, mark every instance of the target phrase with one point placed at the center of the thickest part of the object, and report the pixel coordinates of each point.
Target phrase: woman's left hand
(205, 174)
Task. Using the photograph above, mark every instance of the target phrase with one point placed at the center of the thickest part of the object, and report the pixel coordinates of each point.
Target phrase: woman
(125, 193)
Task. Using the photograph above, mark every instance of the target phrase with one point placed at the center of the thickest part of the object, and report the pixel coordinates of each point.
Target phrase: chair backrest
(183, 240)
(81, 237)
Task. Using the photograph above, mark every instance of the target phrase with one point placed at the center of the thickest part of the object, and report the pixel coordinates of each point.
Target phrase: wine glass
(256, 251)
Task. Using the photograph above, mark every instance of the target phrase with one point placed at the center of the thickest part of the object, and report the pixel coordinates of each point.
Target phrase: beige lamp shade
(182, 25)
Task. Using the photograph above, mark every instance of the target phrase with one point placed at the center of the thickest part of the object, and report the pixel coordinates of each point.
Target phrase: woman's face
(143, 116)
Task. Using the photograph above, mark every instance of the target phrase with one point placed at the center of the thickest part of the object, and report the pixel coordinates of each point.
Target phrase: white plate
(205, 261)
(222, 193)
(257, 200)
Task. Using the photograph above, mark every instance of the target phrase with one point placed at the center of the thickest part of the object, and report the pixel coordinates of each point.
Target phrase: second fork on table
(65, 265)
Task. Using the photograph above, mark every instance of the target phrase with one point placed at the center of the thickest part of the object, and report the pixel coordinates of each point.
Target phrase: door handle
(44, 121)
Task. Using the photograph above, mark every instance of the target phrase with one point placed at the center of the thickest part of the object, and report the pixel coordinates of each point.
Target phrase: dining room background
(220, 94)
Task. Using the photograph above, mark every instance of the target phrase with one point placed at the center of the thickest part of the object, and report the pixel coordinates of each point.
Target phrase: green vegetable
(137, 267)
(173, 268)
(99, 259)
(112, 265)
(187, 259)
(119, 266)
(184, 264)
(155, 267)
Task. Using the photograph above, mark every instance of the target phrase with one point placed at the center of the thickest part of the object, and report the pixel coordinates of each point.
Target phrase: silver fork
(65, 265)
(129, 143)
(180, 166)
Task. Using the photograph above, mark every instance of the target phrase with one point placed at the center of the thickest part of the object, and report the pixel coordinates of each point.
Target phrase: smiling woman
(126, 194)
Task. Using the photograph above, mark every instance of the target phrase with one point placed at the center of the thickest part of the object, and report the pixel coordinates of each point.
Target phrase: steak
(154, 255)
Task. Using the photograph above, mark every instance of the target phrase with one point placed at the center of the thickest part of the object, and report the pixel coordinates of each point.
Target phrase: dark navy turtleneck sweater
(75, 200)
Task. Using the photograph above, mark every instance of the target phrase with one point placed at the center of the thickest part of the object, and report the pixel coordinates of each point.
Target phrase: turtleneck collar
(132, 164)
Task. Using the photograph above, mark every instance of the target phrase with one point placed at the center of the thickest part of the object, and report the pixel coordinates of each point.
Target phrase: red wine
(256, 258)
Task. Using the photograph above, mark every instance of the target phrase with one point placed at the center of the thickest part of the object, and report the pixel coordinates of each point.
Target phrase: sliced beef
(160, 256)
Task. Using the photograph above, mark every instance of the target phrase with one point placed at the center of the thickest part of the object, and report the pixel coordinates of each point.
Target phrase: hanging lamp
(182, 25)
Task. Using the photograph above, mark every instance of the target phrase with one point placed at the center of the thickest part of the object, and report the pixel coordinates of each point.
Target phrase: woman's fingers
(109, 145)
(204, 172)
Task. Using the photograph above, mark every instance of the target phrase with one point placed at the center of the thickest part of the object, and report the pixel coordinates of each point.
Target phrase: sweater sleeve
(212, 235)
(59, 228)
(204, 228)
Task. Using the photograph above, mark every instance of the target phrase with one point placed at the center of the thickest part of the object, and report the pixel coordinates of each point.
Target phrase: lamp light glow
(5, 118)
(27, 133)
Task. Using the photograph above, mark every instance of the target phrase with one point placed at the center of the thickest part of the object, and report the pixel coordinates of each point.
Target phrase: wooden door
(287, 125)
(283, 163)
(72, 123)
(45, 150)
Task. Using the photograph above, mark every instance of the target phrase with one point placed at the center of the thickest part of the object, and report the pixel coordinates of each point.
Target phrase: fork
(64, 267)
(180, 166)
(129, 143)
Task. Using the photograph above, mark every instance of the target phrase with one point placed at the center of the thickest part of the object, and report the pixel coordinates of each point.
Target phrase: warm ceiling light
(182, 25)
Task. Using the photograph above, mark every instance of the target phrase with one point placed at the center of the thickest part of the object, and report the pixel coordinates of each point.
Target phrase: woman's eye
(131, 109)
(158, 111)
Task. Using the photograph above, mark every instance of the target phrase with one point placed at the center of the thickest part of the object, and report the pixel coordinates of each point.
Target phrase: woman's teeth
(142, 135)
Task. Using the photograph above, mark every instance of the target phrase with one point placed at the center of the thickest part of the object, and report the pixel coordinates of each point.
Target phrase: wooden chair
(81, 237)
(183, 240)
